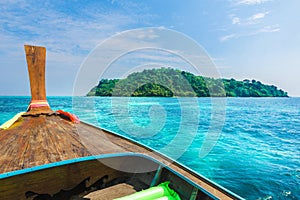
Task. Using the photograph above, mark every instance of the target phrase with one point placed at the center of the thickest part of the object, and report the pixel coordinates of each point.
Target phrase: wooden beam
(36, 59)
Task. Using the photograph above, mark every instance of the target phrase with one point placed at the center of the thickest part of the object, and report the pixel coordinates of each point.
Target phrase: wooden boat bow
(45, 156)
(40, 135)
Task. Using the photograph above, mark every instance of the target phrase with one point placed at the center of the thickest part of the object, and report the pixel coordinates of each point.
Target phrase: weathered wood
(36, 61)
(34, 141)
(51, 181)
(55, 139)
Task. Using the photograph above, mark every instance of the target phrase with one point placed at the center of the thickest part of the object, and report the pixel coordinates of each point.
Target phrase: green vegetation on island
(168, 82)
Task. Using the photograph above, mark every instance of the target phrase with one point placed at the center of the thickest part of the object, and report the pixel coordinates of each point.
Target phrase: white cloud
(251, 2)
(254, 19)
(68, 30)
(270, 29)
(61, 31)
(265, 29)
(236, 20)
(258, 16)
(227, 37)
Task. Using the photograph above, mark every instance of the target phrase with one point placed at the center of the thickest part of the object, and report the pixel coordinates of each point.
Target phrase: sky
(245, 39)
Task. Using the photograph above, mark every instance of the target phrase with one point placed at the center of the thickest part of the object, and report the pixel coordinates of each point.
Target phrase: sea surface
(250, 146)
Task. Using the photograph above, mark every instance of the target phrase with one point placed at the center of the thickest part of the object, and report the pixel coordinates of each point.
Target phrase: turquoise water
(256, 141)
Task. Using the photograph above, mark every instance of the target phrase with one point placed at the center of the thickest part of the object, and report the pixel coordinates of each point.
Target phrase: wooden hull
(118, 159)
(52, 178)
(77, 177)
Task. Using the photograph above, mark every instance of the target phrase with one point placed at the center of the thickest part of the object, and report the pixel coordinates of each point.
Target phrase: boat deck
(103, 142)
(45, 144)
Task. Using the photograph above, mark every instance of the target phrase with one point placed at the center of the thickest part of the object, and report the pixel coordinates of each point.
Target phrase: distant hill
(168, 82)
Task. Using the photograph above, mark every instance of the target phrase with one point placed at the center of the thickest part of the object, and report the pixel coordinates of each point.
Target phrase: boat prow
(48, 155)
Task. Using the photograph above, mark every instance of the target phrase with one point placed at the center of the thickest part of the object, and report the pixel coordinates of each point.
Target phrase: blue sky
(253, 39)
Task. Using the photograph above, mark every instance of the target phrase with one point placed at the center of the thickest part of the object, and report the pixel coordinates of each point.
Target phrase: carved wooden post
(36, 59)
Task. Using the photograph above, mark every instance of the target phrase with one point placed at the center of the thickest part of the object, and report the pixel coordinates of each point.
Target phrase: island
(169, 82)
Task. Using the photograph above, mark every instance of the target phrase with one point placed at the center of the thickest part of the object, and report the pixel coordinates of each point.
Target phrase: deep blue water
(250, 146)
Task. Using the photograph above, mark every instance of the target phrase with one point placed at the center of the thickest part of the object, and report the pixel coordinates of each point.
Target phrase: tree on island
(169, 82)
